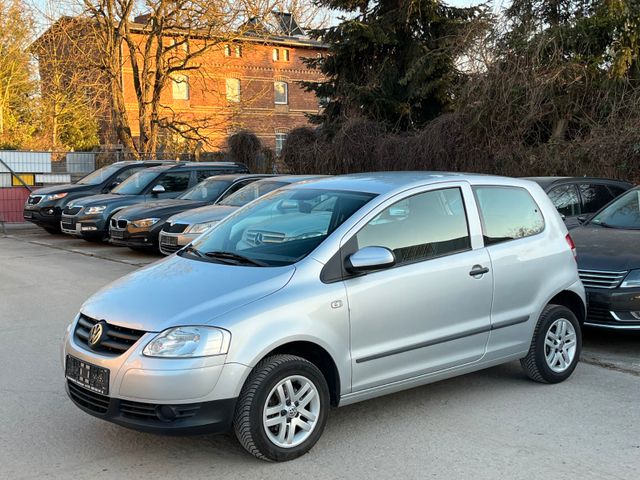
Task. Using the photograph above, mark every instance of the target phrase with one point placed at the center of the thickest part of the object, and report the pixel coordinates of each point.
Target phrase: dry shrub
(299, 152)
(354, 146)
(245, 147)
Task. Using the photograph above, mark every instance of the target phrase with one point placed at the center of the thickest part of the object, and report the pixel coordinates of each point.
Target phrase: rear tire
(555, 346)
(53, 230)
(282, 409)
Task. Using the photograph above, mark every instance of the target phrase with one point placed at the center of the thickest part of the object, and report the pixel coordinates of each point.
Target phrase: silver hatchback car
(327, 293)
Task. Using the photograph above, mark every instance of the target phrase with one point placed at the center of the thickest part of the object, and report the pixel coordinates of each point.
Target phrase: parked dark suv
(580, 196)
(138, 226)
(44, 206)
(89, 217)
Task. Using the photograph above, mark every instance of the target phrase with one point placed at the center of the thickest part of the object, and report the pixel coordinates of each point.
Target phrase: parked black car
(577, 196)
(138, 226)
(608, 247)
(44, 205)
(89, 217)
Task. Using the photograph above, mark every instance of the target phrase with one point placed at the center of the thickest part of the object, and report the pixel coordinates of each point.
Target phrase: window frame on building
(180, 84)
(275, 55)
(238, 95)
(280, 139)
(227, 50)
(237, 50)
(286, 92)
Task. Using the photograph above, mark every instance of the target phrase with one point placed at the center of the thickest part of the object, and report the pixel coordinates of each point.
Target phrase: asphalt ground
(486, 425)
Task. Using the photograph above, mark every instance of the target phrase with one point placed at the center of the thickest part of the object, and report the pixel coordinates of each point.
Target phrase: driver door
(428, 312)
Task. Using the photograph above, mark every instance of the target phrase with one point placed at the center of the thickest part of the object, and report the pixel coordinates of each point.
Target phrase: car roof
(178, 165)
(293, 178)
(384, 182)
(546, 182)
(231, 177)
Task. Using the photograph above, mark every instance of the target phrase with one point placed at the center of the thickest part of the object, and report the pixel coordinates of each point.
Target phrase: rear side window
(594, 197)
(427, 225)
(565, 199)
(507, 213)
(175, 182)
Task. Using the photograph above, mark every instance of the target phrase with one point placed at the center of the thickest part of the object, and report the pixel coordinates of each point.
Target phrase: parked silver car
(182, 228)
(262, 324)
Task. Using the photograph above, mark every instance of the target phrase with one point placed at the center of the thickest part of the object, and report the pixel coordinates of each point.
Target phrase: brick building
(252, 83)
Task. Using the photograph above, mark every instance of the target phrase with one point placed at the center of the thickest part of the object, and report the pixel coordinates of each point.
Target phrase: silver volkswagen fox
(327, 293)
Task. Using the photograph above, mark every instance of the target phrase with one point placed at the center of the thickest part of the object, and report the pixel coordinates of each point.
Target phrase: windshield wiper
(234, 258)
(191, 249)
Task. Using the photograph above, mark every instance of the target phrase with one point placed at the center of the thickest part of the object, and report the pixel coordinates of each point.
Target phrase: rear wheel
(282, 409)
(53, 230)
(555, 347)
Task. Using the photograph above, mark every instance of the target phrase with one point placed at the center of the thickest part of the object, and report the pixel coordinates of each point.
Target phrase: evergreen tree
(392, 61)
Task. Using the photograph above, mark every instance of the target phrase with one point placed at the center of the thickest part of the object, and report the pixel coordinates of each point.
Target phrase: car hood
(159, 208)
(179, 291)
(107, 199)
(69, 187)
(601, 248)
(209, 213)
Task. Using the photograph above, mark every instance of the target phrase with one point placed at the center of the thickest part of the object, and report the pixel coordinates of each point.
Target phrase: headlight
(56, 196)
(200, 227)
(145, 222)
(181, 342)
(94, 210)
(631, 280)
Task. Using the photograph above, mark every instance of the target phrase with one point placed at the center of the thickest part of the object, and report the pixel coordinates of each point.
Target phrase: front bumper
(131, 236)
(43, 215)
(613, 308)
(84, 226)
(180, 396)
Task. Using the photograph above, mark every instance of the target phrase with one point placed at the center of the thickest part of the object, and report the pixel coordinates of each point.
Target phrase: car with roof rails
(89, 217)
(574, 197)
(181, 229)
(138, 226)
(400, 279)
(44, 206)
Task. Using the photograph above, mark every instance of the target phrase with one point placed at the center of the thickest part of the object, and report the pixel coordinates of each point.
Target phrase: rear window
(507, 213)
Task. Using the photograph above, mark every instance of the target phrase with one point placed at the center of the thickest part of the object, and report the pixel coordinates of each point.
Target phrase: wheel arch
(317, 355)
(573, 302)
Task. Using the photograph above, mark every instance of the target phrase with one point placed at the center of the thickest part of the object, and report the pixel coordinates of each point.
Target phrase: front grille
(149, 411)
(117, 339)
(169, 249)
(122, 223)
(71, 210)
(88, 399)
(258, 237)
(174, 227)
(601, 278)
(34, 200)
(119, 223)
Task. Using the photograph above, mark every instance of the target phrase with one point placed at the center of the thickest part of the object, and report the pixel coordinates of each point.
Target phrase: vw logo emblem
(95, 334)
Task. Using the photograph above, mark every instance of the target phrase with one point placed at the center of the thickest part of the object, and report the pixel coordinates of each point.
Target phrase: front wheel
(555, 347)
(282, 409)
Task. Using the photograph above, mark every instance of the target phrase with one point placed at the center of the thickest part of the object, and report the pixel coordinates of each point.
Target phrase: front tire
(282, 409)
(555, 347)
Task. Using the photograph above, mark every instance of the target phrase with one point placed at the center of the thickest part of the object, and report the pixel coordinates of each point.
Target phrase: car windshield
(206, 191)
(136, 183)
(251, 192)
(624, 212)
(279, 229)
(100, 175)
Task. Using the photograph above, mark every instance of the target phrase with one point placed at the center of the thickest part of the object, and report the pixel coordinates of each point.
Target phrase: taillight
(572, 246)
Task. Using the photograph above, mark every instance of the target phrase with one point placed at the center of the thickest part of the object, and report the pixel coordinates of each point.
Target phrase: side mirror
(582, 218)
(563, 217)
(158, 189)
(113, 185)
(368, 259)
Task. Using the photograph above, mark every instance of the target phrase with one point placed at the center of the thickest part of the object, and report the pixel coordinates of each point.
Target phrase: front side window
(180, 86)
(233, 90)
(206, 191)
(624, 212)
(136, 183)
(281, 90)
(280, 228)
(423, 226)
(507, 213)
(175, 182)
(594, 197)
(565, 199)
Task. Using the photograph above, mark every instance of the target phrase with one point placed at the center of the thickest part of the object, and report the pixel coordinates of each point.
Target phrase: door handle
(478, 270)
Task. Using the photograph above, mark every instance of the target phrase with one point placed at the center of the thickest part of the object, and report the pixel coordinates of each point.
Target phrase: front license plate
(117, 234)
(86, 374)
(170, 241)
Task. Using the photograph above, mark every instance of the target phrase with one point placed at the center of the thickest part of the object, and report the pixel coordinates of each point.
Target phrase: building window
(238, 51)
(180, 87)
(285, 54)
(233, 90)
(227, 50)
(281, 90)
(275, 54)
(280, 139)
